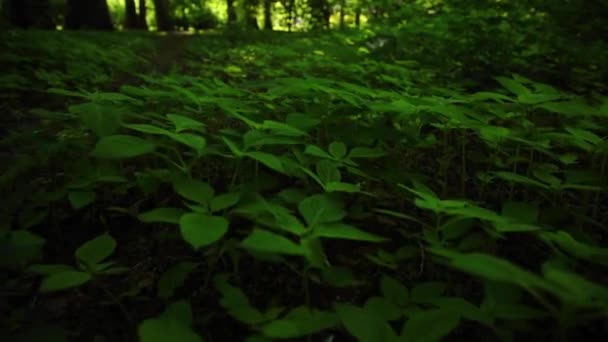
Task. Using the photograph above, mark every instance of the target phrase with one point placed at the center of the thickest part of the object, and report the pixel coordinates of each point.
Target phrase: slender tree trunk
(251, 20)
(88, 14)
(231, 11)
(290, 13)
(131, 18)
(358, 17)
(342, 13)
(142, 21)
(29, 14)
(320, 12)
(163, 20)
(268, 15)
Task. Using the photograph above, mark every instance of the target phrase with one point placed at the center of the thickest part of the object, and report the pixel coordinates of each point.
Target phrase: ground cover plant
(366, 184)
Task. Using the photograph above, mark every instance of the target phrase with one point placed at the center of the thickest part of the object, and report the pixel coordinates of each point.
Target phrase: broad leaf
(183, 123)
(319, 209)
(201, 230)
(364, 325)
(344, 231)
(193, 189)
(122, 146)
(269, 160)
(64, 280)
(173, 278)
(166, 215)
(264, 241)
(337, 149)
(96, 250)
(430, 325)
(80, 199)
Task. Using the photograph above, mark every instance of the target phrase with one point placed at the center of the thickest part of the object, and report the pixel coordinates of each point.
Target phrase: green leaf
(201, 230)
(173, 278)
(574, 108)
(394, 291)
(302, 121)
(366, 152)
(165, 214)
(328, 171)
(300, 321)
(264, 241)
(463, 308)
(430, 325)
(344, 231)
(532, 99)
(146, 128)
(225, 201)
(575, 248)
(492, 268)
(338, 276)
(319, 209)
(337, 149)
(317, 152)
(19, 247)
(282, 129)
(427, 291)
(80, 199)
(64, 280)
(121, 146)
(383, 308)
(575, 289)
(183, 123)
(514, 177)
(267, 159)
(197, 142)
(233, 147)
(288, 222)
(520, 211)
(342, 187)
(364, 325)
(513, 86)
(96, 250)
(193, 189)
(236, 302)
(166, 329)
(102, 120)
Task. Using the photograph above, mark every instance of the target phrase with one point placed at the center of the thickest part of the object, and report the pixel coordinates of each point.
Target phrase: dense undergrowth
(293, 187)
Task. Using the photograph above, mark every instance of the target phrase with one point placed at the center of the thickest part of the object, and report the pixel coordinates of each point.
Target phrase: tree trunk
(320, 12)
(290, 13)
(142, 21)
(163, 20)
(29, 14)
(231, 12)
(342, 13)
(88, 15)
(131, 19)
(358, 17)
(251, 20)
(268, 15)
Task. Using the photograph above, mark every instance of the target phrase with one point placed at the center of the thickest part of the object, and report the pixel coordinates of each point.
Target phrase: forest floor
(292, 187)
